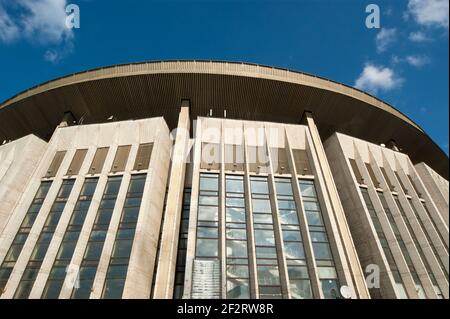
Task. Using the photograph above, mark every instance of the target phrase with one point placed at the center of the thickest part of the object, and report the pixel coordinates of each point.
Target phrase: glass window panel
(311, 205)
(237, 271)
(127, 233)
(298, 272)
(43, 189)
(237, 202)
(66, 250)
(28, 221)
(318, 237)
(52, 219)
(130, 215)
(39, 252)
(89, 187)
(87, 272)
(117, 271)
(313, 218)
(237, 234)
(268, 275)
(134, 201)
(236, 225)
(208, 213)
(286, 204)
(262, 218)
(58, 207)
(82, 205)
(236, 248)
(322, 251)
(30, 273)
(58, 273)
(284, 188)
(104, 217)
(289, 217)
(137, 184)
(266, 252)
(94, 250)
(207, 247)
(78, 218)
(114, 288)
(300, 289)
(34, 208)
(208, 232)
(269, 292)
(210, 184)
(237, 261)
(208, 224)
(330, 289)
(238, 289)
(122, 248)
(264, 237)
(14, 252)
(259, 187)
(23, 290)
(235, 215)
(291, 235)
(327, 273)
(66, 187)
(261, 205)
(307, 190)
(97, 235)
(52, 289)
(107, 203)
(112, 188)
(294, 250)
(208, 200)
(233, 185)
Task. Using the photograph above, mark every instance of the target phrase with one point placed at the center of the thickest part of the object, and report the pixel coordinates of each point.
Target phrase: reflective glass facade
(69, 242)
(40, 249)
(22, 235)
(120, 257)
(94, 248)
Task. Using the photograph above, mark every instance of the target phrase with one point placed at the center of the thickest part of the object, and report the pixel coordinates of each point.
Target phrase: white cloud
(375, 78)
(41, 21)
(414, 60)
(51, 56)
(395, 59)
(418, 36)
(385, 38)
(417, 60)
(8, 29)
(429, 12)
(46, 20)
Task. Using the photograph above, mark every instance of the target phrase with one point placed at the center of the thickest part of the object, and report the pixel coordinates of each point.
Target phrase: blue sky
(405, 62)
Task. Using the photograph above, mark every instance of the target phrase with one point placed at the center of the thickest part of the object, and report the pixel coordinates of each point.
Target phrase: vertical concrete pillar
(254, 288)
(304, 228)
(437, 186)
(192, 231)
(282, 264)
(165, 276)
(344, 231)
(418, 232)
(404, 233)
(388, 233)
(222, 227)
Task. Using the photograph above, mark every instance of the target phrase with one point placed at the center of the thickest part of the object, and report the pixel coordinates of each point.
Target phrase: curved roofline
(36, 89)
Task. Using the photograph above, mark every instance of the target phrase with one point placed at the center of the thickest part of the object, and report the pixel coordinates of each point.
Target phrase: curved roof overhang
(245, 91)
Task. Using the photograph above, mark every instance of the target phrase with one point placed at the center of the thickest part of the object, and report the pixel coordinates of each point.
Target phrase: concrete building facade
(195, 179)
